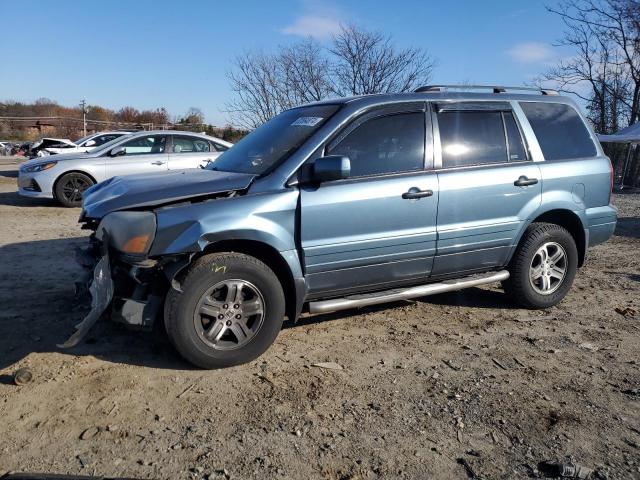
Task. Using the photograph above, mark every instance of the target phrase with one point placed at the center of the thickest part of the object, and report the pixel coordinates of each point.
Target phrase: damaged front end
(119, 274)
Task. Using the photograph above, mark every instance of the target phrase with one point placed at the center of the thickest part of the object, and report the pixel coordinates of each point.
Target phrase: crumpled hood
(50, 142)
(146, 190)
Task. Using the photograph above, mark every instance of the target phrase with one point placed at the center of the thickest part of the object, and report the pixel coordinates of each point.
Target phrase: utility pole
(83, 104)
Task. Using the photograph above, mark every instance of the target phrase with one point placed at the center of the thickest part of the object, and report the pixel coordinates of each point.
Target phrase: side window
(146, 145)
(560, 131)
(517, 152)
(389, 144)
(219, 147)
(471, 137)
(189, 145)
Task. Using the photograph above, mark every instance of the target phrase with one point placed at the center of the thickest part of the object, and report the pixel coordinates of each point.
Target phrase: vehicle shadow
(631, 276)
(15, 200)
(39, 310)
(628, 227)
(9, 173)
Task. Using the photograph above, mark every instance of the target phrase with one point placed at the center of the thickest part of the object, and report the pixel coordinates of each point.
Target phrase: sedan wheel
(70, 187)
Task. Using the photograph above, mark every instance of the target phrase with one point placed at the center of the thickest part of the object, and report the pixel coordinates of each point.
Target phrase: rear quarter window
(560, 131)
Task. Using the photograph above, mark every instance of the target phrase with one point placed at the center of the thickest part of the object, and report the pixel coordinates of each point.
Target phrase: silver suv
(65, 177)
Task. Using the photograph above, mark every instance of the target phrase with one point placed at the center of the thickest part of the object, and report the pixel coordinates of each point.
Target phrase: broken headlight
(128, 232)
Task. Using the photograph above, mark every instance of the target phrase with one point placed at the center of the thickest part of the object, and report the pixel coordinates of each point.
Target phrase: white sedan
(65, 177)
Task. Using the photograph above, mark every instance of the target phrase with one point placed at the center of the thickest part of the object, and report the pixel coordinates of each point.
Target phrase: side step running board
(354, 301)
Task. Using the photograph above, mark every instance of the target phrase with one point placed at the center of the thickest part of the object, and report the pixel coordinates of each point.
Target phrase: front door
(488, 186)
(377, 228)
(143, 154)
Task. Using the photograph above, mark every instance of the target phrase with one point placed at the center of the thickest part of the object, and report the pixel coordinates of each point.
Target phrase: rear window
(561, 133)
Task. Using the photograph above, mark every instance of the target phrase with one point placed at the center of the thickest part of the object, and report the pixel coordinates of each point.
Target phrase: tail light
(611, 175)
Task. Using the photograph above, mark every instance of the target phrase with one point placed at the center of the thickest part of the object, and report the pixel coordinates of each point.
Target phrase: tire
(69, 188)
(206, 322)
(534, 283)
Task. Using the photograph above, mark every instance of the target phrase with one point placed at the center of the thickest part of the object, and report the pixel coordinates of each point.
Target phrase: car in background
(64, 177)
(54, 146)
(5, 148)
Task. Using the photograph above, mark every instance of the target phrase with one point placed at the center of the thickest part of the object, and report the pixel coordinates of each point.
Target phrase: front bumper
(35, 185)
(101, 289)
(131, 290)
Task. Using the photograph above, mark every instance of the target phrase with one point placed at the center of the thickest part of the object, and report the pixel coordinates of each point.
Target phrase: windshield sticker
(307, 121)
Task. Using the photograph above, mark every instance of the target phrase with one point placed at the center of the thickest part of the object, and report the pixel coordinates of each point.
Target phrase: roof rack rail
(495, 88)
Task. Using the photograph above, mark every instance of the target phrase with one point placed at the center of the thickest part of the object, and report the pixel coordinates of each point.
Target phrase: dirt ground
(425, 386)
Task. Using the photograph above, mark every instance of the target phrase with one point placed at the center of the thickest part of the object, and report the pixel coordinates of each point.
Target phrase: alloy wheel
(548, 268)
(73, 188)
(229, 314)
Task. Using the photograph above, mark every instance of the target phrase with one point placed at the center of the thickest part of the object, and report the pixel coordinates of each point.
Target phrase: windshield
(108, 145)
(274, 141)
(80, 140)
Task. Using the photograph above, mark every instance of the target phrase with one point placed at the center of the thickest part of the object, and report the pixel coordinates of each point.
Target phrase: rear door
(488, 185)
(365, 232)
(190, 152)
(144, 154)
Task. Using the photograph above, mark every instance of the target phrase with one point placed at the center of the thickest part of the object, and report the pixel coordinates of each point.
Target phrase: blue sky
(176, 54)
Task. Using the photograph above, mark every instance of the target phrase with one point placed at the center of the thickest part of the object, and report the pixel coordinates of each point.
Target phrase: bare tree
(305, 72)
(368, 62)
(357, 62)
(596, 64)
(254, 80)
(194, 116)
(606, 37)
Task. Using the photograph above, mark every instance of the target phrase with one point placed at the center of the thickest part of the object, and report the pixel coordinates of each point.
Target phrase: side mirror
(118, 151)
(90, 143)
(332, 167)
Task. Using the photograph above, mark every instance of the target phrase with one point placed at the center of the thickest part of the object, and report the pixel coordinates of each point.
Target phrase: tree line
(66, 122)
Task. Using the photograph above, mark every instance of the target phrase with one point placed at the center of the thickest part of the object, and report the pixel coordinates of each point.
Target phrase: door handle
(158, 162)
(415, 193)
(524, 181)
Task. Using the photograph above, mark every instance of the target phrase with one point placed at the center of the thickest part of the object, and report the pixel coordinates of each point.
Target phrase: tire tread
(517, 287)
(200, 265)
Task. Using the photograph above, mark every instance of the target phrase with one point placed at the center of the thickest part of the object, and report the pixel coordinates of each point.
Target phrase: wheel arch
(59, 177)
(569, 220)
(270, 257)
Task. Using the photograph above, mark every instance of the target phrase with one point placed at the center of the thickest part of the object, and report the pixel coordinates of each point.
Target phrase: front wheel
(543, 266)
(229, 311)
(70, 187)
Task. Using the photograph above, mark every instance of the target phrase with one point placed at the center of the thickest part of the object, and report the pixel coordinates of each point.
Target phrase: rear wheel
(229, 312)
(69, 188)
(543, 267)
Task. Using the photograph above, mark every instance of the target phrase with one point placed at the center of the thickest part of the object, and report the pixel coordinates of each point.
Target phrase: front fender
(268, 218)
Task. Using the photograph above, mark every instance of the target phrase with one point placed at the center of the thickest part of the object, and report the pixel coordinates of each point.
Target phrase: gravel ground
(425, 386)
